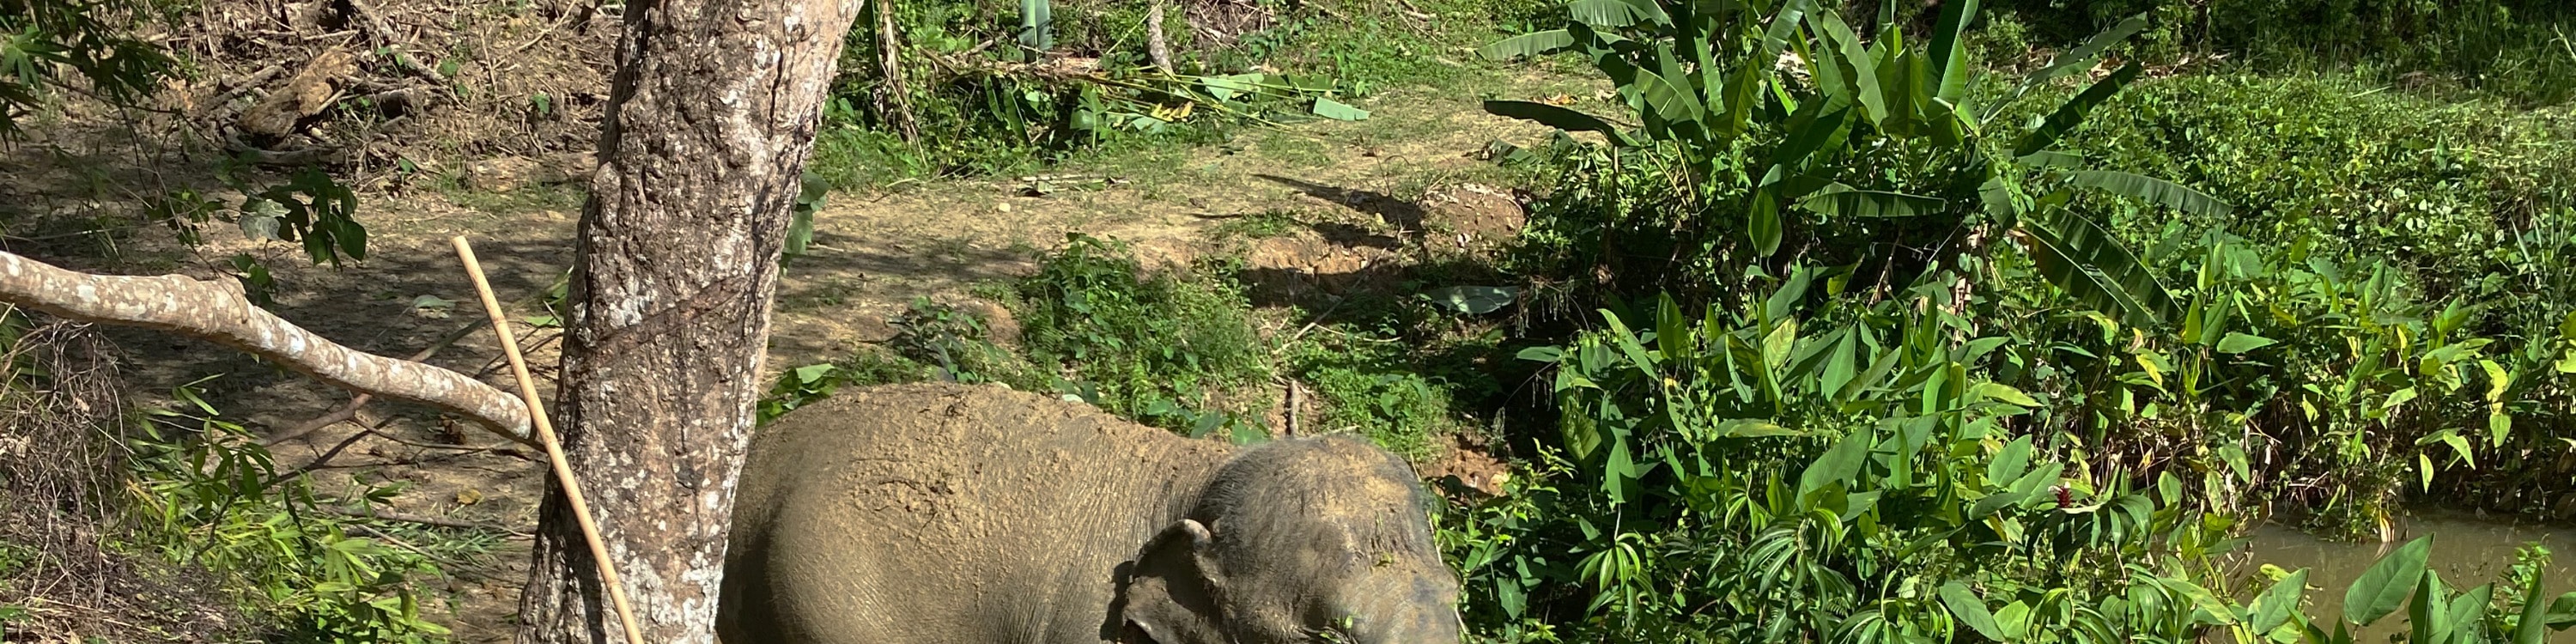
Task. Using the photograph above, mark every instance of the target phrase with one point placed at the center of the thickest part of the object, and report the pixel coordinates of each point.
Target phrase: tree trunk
(894, 98)
(1155, 47)
(709, 122)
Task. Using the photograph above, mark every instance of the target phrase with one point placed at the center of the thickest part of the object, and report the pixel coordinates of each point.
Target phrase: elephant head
(1311, 540)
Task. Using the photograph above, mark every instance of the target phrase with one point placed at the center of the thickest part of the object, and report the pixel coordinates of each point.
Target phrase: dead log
(208, 311)
(312, 89)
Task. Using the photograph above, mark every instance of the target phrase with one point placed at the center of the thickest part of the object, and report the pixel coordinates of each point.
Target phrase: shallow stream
(2467, 551)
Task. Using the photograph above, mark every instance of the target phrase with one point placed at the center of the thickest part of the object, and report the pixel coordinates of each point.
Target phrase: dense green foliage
(2520, 50)
(208, 494)
(196, 496)
(1991, 395)
(45, 43)
(1938, 354)
(1849, 473)
(2352, 321)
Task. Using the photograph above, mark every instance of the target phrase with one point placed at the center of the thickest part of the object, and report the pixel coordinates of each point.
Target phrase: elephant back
(975, 510)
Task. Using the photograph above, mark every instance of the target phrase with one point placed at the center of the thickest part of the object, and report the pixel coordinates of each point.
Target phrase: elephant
(934, 513)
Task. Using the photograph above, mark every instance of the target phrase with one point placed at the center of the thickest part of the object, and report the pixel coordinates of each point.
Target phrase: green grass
(2435, 185)
(1153, 347)
(984, 124)
(1266, 224)
(2519, 51)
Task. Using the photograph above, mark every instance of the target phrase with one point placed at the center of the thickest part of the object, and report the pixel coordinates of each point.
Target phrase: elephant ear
(1171, 588)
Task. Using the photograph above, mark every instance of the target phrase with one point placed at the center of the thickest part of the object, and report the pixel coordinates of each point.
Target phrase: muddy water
(2467, 551)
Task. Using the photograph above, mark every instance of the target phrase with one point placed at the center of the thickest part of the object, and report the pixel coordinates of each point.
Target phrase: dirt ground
(1359, 191)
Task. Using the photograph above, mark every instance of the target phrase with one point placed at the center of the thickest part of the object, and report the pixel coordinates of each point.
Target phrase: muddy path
(1353, 188)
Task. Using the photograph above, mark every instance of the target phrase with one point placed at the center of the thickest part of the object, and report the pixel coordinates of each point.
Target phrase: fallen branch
(375, 28)
(264, 156)
(204, 310)
(350, 411)
(248, 83)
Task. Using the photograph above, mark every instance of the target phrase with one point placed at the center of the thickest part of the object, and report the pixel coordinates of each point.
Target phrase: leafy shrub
(956, 346)
(46, 38)
(208, 495)
(1163, 348)
(1857, 472)
(1387, 393)
(1781, 130)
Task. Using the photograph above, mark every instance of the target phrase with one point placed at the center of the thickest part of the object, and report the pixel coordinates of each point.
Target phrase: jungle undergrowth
(192, 512)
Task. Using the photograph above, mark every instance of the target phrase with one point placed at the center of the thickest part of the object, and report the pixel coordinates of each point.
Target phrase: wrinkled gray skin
(945, 513)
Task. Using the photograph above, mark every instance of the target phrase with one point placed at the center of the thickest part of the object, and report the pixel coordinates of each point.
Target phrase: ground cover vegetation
(172, 522)
(1015, 86)
(2515, 50)
(1970, 405)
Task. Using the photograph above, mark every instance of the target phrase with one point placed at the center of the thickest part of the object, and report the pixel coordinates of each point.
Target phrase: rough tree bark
(709, 122)
(1155, 47)
(208, 311)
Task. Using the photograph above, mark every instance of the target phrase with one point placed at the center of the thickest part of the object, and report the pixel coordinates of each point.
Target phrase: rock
(568, 167)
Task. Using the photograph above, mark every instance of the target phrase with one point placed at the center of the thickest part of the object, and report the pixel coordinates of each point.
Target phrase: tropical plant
(2401, 581)
(1787, 473)
(1705, 81)
(209, 495)
(1860, 472)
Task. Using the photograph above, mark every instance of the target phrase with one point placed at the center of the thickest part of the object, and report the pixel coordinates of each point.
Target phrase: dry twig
(413, 518)
(375, 27)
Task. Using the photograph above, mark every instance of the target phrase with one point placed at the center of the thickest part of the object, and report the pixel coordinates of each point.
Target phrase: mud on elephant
(948, 513)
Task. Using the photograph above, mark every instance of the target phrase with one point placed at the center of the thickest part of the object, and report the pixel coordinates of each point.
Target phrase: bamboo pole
(545, 430)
